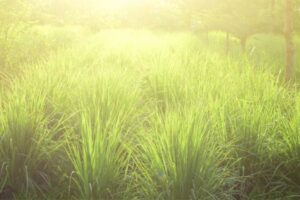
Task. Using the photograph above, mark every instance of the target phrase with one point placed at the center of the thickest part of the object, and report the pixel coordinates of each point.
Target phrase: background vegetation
(161, 99)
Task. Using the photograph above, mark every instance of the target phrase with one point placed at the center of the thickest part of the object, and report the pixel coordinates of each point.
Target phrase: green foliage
(138, 115)
(100, 158)
(21, 44)
(132, 114)
(30, 144)
(180, 160)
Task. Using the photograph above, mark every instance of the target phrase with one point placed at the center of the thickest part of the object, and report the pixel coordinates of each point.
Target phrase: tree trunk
(243, 44)
(288, 33)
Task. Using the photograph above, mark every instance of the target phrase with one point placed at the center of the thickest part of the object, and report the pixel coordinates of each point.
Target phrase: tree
(241, 18)
(288, 34)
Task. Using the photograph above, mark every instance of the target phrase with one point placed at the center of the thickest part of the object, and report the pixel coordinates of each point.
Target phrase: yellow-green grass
(143, 115)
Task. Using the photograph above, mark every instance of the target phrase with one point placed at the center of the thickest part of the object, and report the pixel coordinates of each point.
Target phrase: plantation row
(138, 115)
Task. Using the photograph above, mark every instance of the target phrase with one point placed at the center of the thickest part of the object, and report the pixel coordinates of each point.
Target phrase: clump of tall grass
(287, 172)
(250, 112)
(28, 145)
(179, 159)
(21, 44)
(146, 116)
(108, 121)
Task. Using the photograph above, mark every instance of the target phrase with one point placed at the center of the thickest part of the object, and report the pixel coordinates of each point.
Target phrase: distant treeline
(238, 18)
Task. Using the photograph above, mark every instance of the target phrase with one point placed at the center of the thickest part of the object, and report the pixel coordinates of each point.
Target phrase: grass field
(126, 114)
